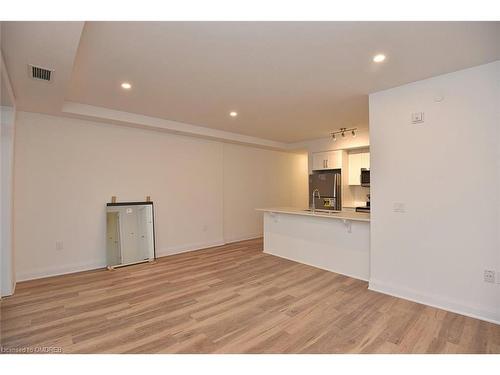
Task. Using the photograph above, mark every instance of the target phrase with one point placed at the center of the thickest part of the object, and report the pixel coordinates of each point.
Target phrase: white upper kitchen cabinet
(334, 159)
(327, 160)
(354, 169)
(365, 160)
(319, 160)
(357, 161)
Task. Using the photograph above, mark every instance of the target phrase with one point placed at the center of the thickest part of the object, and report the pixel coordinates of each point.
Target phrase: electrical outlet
(399, 207)
(59, 245)
(489, 276)
(417, 117)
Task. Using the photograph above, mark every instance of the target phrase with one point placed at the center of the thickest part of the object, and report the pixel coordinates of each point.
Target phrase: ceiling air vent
(39, 73)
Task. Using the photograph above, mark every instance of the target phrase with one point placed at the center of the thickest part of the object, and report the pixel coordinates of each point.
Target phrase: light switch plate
(417, 117)
(489, 276)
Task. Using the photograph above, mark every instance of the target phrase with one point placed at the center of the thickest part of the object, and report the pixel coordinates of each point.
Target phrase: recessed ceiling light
(126, 86)
(233, 114)
(379, 58)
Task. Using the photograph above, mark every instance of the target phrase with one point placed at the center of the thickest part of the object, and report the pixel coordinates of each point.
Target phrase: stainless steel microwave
(365, 177)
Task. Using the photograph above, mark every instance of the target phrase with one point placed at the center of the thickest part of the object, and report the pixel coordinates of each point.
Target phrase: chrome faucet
(313, 196)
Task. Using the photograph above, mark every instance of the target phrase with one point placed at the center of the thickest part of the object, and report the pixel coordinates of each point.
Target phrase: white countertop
(343, 215)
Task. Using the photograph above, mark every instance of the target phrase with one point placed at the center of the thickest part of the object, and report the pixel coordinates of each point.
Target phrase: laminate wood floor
(229, 299)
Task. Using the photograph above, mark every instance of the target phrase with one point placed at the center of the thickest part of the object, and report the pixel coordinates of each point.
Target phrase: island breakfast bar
(336, 241)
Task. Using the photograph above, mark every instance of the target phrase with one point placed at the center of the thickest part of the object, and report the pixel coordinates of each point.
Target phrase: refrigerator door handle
(335, 185)
(336, 188)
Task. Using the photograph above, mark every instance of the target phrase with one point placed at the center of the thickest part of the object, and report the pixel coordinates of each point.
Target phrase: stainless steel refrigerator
(329, 185)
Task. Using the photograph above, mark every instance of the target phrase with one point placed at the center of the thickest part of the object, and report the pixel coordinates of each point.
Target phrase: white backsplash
(358, 194)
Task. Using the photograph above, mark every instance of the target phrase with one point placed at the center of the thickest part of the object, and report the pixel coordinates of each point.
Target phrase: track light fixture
(342, 132)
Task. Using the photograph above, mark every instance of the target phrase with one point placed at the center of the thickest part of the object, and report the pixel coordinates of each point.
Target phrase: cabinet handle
(326, 163)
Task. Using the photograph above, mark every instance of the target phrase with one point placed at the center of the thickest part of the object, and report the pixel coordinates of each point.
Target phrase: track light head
(342, 132)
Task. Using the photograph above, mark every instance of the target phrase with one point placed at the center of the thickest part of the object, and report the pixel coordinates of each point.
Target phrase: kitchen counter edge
(343, 215)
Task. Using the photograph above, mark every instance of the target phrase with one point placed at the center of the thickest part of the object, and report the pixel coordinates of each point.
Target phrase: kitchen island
(336, 241)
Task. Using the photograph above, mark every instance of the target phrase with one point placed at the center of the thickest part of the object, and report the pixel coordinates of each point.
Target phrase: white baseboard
(8, 291)
(316, 266)
(60, 270)
(244, 238)
(72, 268)
(171, 250)
(435, 301)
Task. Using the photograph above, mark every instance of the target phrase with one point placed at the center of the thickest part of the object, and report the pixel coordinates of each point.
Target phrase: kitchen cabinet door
(327, 160)
(365, 160)
(355, 161)
(320, 161)
(334, 160)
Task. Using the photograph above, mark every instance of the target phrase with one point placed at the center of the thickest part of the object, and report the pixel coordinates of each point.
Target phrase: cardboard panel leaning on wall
(446, 174)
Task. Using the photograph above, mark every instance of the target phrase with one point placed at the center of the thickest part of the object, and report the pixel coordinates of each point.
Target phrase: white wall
(255, 178)
(7, 132)
(67, 169)
(446, 171)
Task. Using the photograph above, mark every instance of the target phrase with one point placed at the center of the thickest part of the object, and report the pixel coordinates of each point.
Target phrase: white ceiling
(47, 44)
(289, 81)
